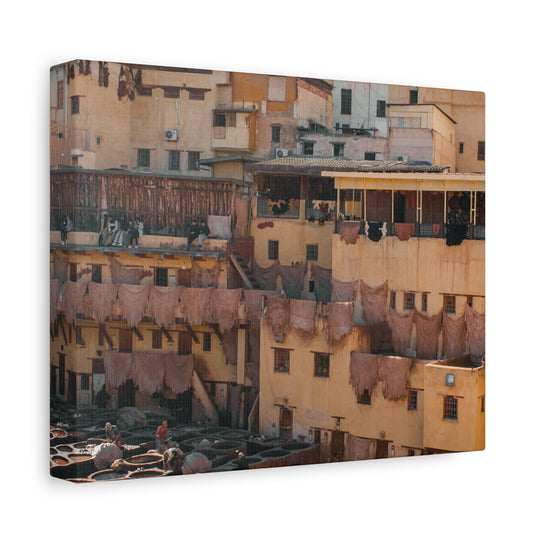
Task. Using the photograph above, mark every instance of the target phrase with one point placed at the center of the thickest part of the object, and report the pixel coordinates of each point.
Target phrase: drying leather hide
(349, 230)
(292, 279)
(374, 302)
(343, 291)
(401, 325)
(101, 297)
(133, 300)
(340, 320)
(427, 334)
(302, 315)
(72, 300)
(454, 336)
(394, 373)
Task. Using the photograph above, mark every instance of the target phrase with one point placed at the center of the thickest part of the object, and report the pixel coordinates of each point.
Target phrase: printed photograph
(251, 271)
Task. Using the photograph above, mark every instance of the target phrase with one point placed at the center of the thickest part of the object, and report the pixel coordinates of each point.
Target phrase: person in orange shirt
(161, 437)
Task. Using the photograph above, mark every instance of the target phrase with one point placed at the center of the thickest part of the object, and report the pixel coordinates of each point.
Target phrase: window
(96, 273)
(60, 95)
(381, 109)
(322, 365)
(144, 90)
(393, 299)
(346, 101)
(369, 156)
(408, 301)
(220, 120)
(469, 301)
(281, 360)
(143, 157)
(449, 304)
(207, 341)
(400, 122)
(311, 286)
(413, 400)
(174, 160)
(230, 119)
(157, 339)
(75, 105)
(85, 381)
(450, 408)
(161, 277)
(413, 96)
(483, 404)
(312, 252)
(125, 341)
(273, 250)
(424, 302)
(72, 271)
(365, 398)
(308, 148)
(171, 92)
(184, 343)
(276, 134)
(193, 161)
(339, 149)
(461, 145)
(481, 150)
(196, 94)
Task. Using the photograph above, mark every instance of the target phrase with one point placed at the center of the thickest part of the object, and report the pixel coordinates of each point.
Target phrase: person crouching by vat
(172, 460)
(112, 434)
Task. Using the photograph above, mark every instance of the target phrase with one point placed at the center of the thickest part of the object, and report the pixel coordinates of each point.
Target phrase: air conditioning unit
(171, 135)
(401, 157)
(281, 152)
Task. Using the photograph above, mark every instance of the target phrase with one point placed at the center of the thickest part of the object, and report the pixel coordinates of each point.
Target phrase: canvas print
(251, 271)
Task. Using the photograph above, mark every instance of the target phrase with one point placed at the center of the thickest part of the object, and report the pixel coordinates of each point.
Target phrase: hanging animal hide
(72, 300)
(277, 314)
(254, 307)
(374, 302)
(178, 372)
(55, 297)
(404, 230)
(292, 279)
(401, 325)
(195, 305)
(122, 274)
(266, 277)
(204, 277)
(349, 230)
(427, 334)
(394, 373)
(323, 286)
(343, 291)
(303, 315)
(118, 367)
(101, 297)
(148, 371)
(476, 331)
(363, 372)
(162, 304)
(133, 300)
(60, 268)
(224, 307)
(454, 336)
(340, 320)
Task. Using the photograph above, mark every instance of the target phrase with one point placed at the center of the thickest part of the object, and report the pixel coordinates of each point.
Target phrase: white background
(460, 44)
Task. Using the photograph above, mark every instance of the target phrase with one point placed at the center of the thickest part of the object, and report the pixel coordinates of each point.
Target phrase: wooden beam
(166, 334)
(137, 332)
(193, 334)
(106, 336)
(63, 331)
(215, 328)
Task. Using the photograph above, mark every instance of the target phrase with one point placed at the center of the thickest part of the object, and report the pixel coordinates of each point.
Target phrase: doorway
(126, 394)
(285, 423)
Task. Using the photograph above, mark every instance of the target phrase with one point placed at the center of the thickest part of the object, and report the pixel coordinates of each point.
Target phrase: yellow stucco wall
(467, 432)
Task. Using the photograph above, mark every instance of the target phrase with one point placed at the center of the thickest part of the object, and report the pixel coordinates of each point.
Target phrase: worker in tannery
(161, 437)
(193, 232)
(172, 460)
(112, 434)
(204, 232)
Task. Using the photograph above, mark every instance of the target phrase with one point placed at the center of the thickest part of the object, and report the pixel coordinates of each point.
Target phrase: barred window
(469, 300)
(143, 157)
(393, 299)
(144, 91)
(365, 398)
(174, 160)
(312, 252)
(461, 147)
(194, 161)
(60, 95)
(338, 149)
(322, 364)
(75, 105)
(207, 341)
(308, 148)
(85, 381)
(196, 94)
(424, 302)
(276, 133)
(171, 92)
(369, 156)
(311, 285)
(481, 150)
(96, 273)
(161, 277)
(413, 400)
(273, 250)
(381, 109)
(281, 360)
(346, 101)
(413, 96)
(449, 304)
(408, 301)
(450, 408)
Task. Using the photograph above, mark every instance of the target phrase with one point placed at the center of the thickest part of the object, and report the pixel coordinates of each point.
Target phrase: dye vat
(107, 474)
(60, 460)
(148, 473)
(79, 457)
(64, 448)
(145, 460)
